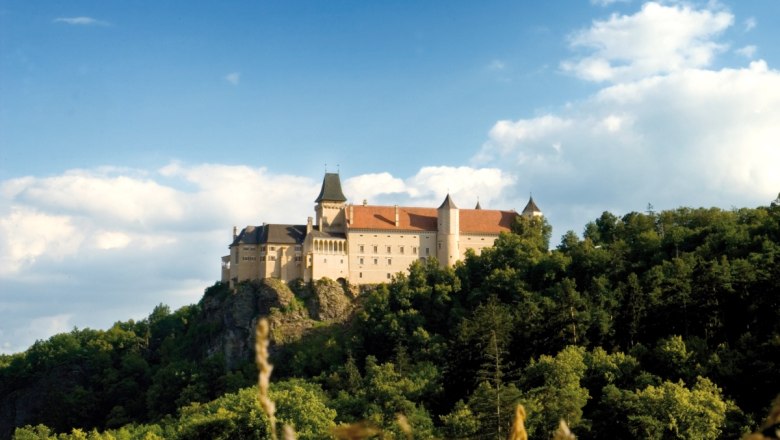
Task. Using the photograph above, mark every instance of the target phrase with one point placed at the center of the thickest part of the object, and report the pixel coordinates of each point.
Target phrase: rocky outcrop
(234, 314)
(330, 301)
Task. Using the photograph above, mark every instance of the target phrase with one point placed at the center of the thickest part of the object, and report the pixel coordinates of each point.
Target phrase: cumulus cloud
(658, 39)
(120, 241)
(430, 185)
(691, 137)
(81, 21)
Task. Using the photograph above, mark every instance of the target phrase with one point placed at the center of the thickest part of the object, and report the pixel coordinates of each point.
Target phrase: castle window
(272, 258)
(376, 260)
(439, 245)
(389, 249)
(361, 260)
(360, 275)
(414, 249)
(389, 261)
(273, 248)
(388, 275)
(376, 249)
(401, 249)
(361, 248)
(427, 251)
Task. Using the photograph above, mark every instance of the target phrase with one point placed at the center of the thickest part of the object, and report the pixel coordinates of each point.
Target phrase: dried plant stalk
(264, 369)
(403, 423)
(288, 433)
(771, 428)
(518, 425)
(354, 431)
(563, 432)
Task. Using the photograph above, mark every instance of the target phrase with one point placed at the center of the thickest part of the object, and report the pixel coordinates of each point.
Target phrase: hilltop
(651, 325)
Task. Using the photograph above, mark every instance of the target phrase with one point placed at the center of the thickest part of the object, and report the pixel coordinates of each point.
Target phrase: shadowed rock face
(291, 314)
(227, 318)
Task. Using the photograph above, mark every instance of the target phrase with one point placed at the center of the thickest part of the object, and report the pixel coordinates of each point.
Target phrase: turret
(448, 235)
(329, 207)
(531, 210)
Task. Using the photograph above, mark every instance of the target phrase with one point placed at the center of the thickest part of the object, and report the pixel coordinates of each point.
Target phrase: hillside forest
(653, 325)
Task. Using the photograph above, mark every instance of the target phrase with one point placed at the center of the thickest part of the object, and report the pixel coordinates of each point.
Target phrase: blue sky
(132, 138)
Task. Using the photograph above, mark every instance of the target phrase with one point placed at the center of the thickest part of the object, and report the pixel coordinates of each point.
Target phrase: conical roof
(531, 207)
(478, 205)
(448, 203)
(331, 189)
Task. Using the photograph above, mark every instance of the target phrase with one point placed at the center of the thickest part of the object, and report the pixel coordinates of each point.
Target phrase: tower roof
(331, 189)
(531, 207)
(478, 205)
(448, 203)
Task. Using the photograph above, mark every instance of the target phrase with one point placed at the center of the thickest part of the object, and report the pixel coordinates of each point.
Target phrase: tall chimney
(396, 216)
(308, 225)
(235, 232)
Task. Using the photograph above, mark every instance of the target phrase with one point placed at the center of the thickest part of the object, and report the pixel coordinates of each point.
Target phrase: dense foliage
(653, 325)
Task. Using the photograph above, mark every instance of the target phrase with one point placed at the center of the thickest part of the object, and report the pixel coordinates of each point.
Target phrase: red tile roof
(475, 221)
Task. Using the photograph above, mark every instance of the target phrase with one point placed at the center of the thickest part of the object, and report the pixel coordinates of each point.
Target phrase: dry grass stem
(403, 423)
(264, 373)
(288, 433)
(771, 428)
(563, 432)
(355, 431)
(518, 425)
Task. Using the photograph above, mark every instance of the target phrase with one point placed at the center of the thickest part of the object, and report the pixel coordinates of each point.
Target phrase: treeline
(653, 325)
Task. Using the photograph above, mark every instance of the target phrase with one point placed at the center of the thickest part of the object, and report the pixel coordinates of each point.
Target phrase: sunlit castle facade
(362, 244)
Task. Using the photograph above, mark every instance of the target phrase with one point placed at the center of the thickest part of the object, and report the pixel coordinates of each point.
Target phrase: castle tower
(531, 210)
(448, 233)
(329, 207)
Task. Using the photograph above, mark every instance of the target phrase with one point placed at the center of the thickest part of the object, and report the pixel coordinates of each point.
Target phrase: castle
(362, 244)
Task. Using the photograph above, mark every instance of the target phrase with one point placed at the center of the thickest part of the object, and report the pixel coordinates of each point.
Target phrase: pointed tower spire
(331, 189)
(448, 203)
(531, 210)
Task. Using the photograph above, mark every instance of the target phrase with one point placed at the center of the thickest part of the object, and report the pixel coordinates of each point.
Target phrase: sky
(134, 136)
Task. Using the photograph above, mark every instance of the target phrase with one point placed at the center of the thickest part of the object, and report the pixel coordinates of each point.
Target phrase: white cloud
(430, 185)
(120, 241)
(27, 234)
(693, 137)
(656, 40)
(750, 23)
(233, 78)
(747, 51)
(81, 21)
(604, 3)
